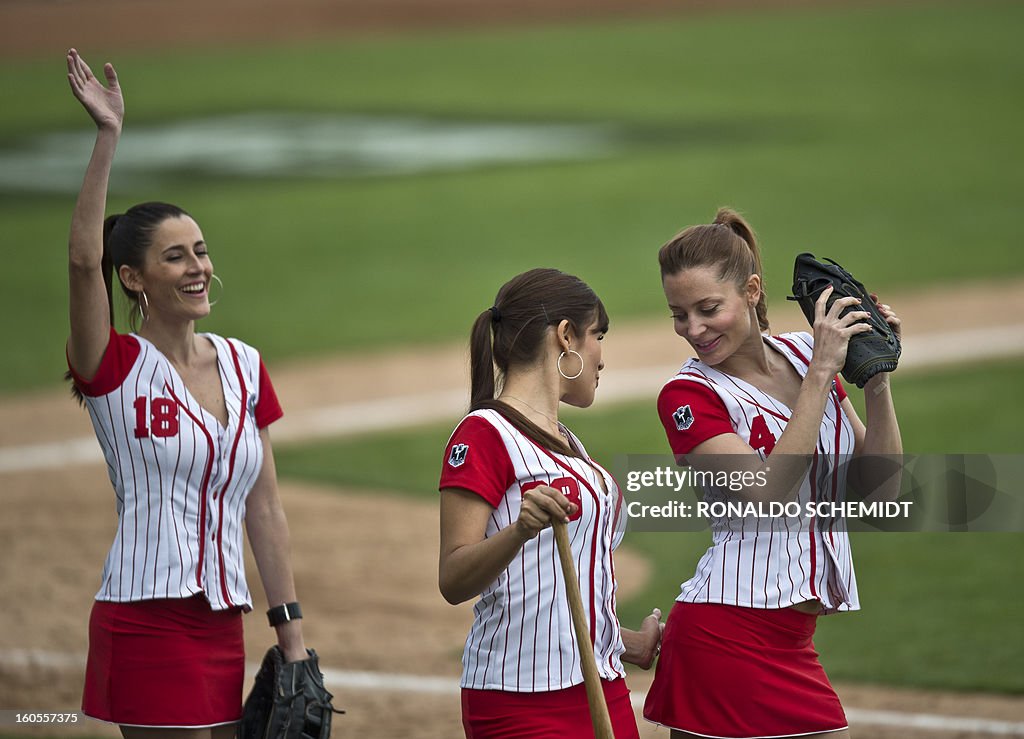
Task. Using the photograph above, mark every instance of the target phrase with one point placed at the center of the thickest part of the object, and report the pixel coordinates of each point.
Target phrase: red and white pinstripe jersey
(766, 562)
(181, 479)
(522, 638)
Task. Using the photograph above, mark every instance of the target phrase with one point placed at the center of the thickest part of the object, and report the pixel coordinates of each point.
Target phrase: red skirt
(494, 714)
(168, 663)
(733, 672)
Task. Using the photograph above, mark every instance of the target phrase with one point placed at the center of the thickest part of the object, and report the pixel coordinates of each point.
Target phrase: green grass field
(884, 137)
(936, 608)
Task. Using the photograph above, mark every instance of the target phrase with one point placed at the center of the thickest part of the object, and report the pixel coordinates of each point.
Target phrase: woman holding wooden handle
(510, 469)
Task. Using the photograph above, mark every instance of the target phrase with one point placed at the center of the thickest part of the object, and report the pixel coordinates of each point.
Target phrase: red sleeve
(840, 390)
(691, 413)
(268, 409)
(118, 359)
(476, 460)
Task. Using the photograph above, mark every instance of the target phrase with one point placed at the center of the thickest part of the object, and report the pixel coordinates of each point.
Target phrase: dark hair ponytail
(729, 244)
(126, 238)
(512, 333)
(107, 265)
(481, 360)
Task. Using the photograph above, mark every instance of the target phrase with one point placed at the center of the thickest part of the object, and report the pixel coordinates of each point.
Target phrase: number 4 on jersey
(760, 436)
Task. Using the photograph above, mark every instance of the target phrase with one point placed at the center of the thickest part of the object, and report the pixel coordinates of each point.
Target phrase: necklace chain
(553, 420)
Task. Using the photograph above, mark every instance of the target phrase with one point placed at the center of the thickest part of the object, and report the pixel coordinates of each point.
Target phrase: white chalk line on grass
(619, 386)
(400, 683)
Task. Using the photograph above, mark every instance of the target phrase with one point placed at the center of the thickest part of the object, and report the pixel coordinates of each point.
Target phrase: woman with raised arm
(182, 420)
(738, 658)
(510, 468)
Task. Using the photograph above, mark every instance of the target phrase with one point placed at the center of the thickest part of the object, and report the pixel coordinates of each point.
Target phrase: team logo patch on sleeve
(683, 418)
(458, 455)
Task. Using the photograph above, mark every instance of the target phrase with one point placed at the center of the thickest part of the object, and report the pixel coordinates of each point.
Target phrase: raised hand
(104, 104)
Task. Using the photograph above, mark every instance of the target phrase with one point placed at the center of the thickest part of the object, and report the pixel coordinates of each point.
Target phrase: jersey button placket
(218, 467)
(211, 509)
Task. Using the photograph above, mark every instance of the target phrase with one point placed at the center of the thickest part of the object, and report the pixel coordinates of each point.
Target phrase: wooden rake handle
(591, 677)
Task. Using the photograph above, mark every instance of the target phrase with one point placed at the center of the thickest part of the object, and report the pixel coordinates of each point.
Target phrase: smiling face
(580, 392)
(713, 315)
(176, 272)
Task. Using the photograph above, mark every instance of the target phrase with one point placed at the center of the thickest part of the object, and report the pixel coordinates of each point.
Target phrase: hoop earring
(221, 283)
(559, 364)
(143, 299)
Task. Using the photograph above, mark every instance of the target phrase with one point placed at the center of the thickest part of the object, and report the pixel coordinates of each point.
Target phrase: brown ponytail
(107, 265)
(481, 360)
(729, 244)
(512, 333)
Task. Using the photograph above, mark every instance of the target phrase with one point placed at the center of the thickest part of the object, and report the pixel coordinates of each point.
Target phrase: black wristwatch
(284, 613)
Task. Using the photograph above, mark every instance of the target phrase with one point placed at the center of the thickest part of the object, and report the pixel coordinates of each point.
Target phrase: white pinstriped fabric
(522, 637)
(181, 495)
(778, 562)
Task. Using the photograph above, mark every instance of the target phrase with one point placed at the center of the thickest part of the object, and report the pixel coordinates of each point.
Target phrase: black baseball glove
(868, 353)
(288, 701)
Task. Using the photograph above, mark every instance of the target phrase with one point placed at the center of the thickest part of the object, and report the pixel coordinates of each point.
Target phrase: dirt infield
(365, 568)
